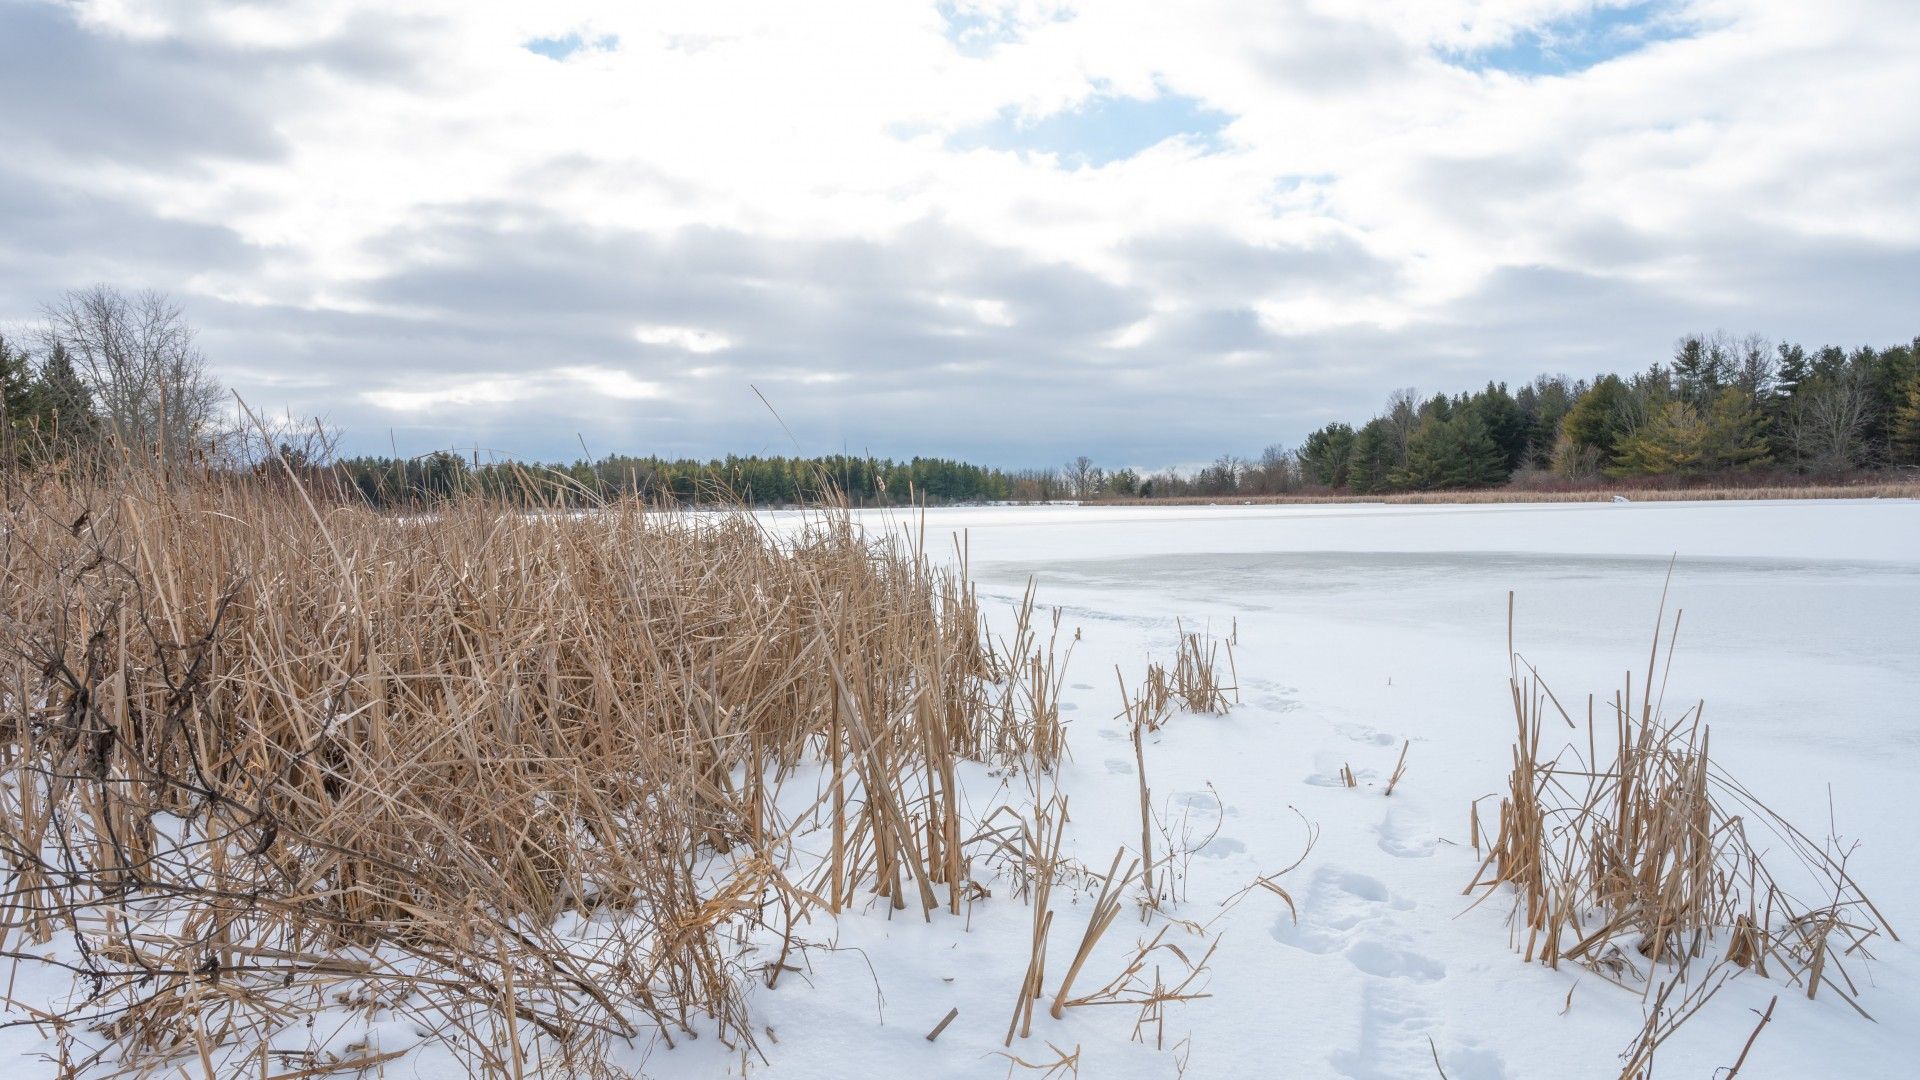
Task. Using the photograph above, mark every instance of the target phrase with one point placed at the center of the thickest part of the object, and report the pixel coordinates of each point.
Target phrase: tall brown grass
(1630, 853)
(262, 747)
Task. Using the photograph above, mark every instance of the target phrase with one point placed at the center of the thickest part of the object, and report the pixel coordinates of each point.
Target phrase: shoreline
(1880, 490)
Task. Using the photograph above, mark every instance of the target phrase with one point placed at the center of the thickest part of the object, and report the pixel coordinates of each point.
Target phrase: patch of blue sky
(559, 48)
(976, 29)
(1574, 43)
(1102, 130)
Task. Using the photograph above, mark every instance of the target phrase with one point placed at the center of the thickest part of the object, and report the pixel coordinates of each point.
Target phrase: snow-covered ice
(1362, 626)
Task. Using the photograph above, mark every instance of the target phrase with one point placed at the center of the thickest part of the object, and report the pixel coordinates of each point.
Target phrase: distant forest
(1720, 408)
(111, 369)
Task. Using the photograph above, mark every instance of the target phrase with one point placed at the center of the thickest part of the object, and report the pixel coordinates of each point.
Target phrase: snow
(1360, 628)
(1363, 626)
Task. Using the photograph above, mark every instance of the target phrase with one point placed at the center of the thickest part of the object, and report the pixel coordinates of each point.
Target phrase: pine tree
(1700, 367)
(1733, 432)
(1593, 423)
(16, 401)
(1372, 458)
(1327, 453)
(62, 403)
(16, 382)
(1906, 425)
(1670, 441)
(1730, 433)
(1507, 424)
(1452, 451)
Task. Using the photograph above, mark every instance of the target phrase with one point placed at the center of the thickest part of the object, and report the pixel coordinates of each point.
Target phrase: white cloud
(775, 183)
(700, 342)
(619, 385)
(466, 393)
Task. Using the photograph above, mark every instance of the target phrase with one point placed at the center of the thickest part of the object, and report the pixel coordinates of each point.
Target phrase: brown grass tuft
(1643, 864)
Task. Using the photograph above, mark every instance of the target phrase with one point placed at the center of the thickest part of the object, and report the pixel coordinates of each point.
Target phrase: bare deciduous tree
(1083, 477)
(1828, 423)
(137, 354)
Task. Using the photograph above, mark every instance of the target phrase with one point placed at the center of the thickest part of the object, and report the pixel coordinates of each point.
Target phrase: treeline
(113, 374)
(1720, 407)
(755, 480)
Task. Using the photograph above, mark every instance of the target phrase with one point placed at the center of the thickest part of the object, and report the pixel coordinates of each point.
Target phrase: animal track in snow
(1220, 847)
(1389, 961)
(1203, 802)
(1119, 767)
(1394, 1027)
(1332, 778)
(1361, 733)
(1336, 902)
(1406, 834)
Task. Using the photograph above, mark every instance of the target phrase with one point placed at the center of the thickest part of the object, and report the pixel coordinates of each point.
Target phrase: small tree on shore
(136, 354)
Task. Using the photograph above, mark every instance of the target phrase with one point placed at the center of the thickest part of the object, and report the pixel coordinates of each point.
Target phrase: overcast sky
(1013, 232)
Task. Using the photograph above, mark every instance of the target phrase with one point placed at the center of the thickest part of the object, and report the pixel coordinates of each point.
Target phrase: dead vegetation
(264, 751)
(1632, 855)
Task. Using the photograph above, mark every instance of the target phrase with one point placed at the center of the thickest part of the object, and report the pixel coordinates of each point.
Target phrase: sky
(1012, 232)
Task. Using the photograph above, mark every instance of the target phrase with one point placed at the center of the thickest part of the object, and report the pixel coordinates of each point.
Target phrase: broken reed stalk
(1648, 855)
(1141, 713)
(1747, 1047)
(942, 1025)
(1042, 853)
(261, 744)
(1399, 768)
(1106, 907)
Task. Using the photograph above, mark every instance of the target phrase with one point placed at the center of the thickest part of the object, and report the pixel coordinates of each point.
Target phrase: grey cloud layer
(933, 339)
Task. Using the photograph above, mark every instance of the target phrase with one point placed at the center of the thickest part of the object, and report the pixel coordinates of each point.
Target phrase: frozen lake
(1362, 626)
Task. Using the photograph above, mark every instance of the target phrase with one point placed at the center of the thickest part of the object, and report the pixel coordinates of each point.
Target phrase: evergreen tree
(61, 401)
(1668, 442)
(1372, 459)
(16, 384)
(1700, 367)
(1506, 422)
(1594, 421)
(1906, 425)
(16, 401)
(1679, 438)
(1546, 401)
(1793, 369)
(1326, 454)
(1451, 451)
(1733, 432)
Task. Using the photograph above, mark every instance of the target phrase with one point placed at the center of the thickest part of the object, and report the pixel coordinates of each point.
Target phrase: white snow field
(1361, 628)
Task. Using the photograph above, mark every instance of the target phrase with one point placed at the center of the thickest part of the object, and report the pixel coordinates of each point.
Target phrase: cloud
(1015, 231)
(693, 340)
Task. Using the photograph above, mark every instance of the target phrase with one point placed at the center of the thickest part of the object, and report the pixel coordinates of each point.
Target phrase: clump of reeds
(1196, 681)
(261, 744)
(1635, 856)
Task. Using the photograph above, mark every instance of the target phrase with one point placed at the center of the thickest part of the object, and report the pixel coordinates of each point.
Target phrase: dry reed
(1647, 859)
(262, 747)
